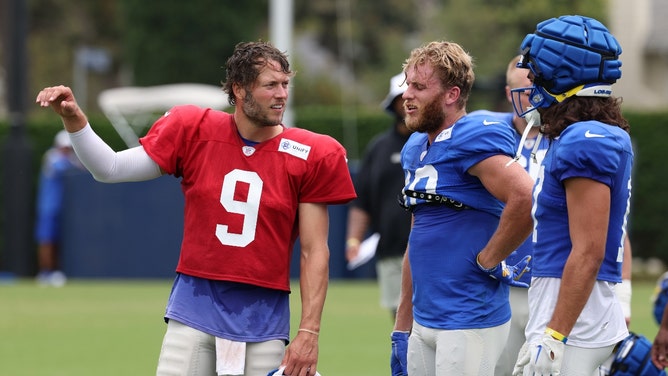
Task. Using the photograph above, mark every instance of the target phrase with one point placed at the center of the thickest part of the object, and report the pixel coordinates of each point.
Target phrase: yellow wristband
(352, 242)
(556, 335)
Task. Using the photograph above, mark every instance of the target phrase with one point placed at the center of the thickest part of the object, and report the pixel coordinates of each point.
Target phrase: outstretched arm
(102, 161)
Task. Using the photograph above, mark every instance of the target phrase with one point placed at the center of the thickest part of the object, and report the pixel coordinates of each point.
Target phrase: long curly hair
(558, 117)
(246, 63)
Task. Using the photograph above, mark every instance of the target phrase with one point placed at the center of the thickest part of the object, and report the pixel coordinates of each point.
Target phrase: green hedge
(648, 130)
(649, 210)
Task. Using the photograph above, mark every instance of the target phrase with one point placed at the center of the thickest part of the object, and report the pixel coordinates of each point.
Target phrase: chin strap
(533, 120)
(536, 146)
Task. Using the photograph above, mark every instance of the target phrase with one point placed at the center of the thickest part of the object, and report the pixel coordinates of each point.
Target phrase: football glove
(546, 357)
(522, 360)
(509, 275)
(399, 353)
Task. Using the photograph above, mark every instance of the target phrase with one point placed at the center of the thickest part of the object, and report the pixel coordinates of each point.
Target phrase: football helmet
(567, 56)
(633, 357)
(660, 297)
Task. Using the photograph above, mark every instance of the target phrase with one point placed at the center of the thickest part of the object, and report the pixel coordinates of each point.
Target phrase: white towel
(279, 372)
(230, 357)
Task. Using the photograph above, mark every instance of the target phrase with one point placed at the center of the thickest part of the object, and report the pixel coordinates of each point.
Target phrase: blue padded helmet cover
(633, 357)
(570, 51)
(660, 297)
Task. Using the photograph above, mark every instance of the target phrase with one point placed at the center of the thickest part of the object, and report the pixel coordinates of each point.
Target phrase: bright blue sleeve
(590, 150)
(442, 167)
(483, 136)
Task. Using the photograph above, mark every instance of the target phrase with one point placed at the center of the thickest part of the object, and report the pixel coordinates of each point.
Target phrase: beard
(428, 120)
(254, 113)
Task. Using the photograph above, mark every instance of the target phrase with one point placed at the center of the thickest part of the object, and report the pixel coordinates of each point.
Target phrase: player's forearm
(108, 166)
(514, 227)
(404, 319)
(313, 283)
(627, 263)
(358, 223)
(577, 283)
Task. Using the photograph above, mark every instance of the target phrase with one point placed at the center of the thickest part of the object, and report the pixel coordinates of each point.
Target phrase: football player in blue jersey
(471, 209)
(581, 198)
(531, 149)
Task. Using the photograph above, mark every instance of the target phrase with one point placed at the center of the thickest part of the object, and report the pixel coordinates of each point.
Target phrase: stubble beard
(254, 113)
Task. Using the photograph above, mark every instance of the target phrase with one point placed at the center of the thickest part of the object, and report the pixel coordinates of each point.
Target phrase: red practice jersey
(241, 201)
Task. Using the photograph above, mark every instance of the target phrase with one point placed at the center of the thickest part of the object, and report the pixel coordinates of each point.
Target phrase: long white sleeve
(108, 166)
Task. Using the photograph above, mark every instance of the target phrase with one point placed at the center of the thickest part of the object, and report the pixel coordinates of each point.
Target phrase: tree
(171, 41)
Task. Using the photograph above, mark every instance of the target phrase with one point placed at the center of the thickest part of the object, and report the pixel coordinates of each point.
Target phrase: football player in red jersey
(251, 186)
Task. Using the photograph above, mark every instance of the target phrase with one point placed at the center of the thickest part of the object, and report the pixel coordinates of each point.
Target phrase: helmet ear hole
(611, 70)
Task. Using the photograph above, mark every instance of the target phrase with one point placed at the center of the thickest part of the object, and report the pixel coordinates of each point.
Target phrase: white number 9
(248, 208)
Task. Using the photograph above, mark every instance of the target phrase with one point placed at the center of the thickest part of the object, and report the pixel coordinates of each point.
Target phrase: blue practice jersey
(532, 166)
(591, 150)
(449, 290)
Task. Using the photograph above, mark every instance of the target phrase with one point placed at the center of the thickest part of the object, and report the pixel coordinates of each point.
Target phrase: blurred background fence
(134, 229)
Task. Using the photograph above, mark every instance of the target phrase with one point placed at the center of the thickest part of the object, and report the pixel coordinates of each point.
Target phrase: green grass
(115, 327)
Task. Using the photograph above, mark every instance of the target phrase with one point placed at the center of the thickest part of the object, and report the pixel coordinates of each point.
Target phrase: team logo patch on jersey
(248, 150)
(294, 148)
(445, 135)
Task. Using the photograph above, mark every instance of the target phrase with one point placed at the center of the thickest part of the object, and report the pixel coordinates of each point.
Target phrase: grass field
(106, 327)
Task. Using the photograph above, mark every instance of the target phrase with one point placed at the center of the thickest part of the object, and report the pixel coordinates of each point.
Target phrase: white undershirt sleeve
(108, 166)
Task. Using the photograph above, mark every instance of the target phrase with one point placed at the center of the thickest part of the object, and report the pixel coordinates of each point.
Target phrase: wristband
(623, 292)
(556, 335)
(308, 331)
(352, 242)
(490, 270)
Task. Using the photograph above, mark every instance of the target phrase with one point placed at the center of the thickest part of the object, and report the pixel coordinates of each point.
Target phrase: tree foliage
(492, 30)
(171, 41)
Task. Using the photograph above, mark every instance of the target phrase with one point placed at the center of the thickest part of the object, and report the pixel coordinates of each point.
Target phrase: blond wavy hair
(451, 62)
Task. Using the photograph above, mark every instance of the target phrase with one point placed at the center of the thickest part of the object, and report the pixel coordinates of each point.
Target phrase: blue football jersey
(592, 150)
(532, 166)
(442, 168)
(449, 290)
